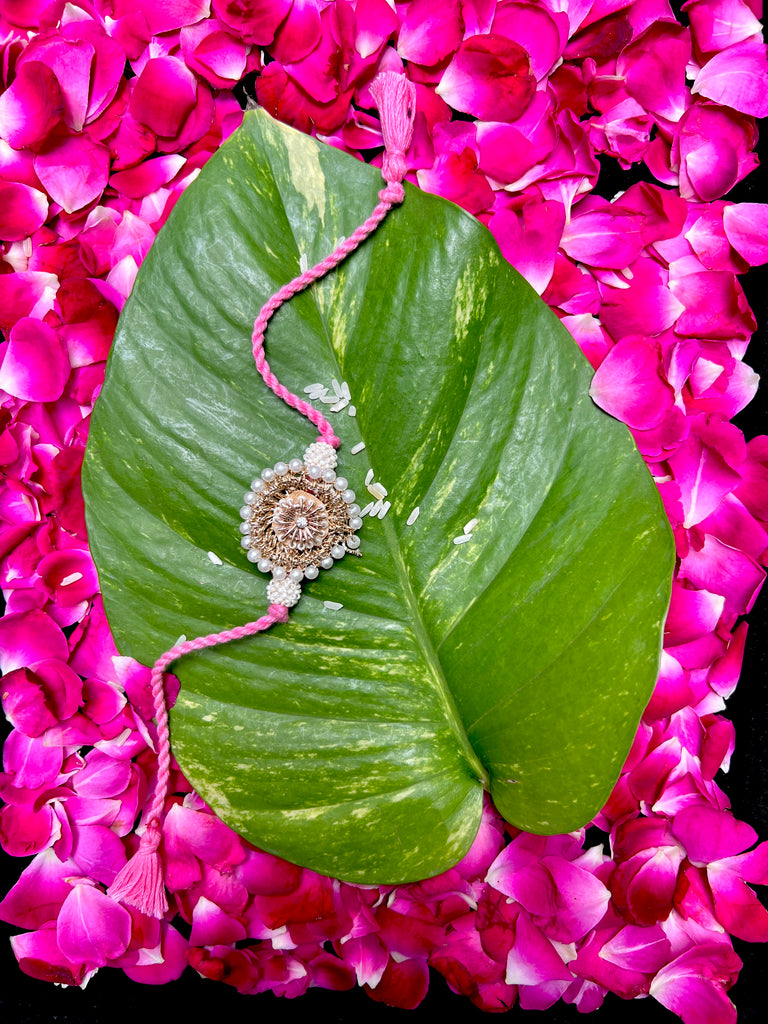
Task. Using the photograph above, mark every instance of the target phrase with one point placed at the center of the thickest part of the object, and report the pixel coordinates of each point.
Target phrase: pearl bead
(296, 575)
(340, 483)
(257, 485)
(329, 476)
(281, 468)
(355, 522)
(312, 572)
(278, 573)
(253, 556)
(264, 565)
(245, 528)
(326, 563)
(267, 475)
(245, 542)
(248, 497)
(353, 542)
(348, 497)
(354, 510)
(245, 511)
(337, 551)
(314, 472)
(295, 465)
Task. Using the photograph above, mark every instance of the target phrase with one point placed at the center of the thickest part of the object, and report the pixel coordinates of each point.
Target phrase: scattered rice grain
(303, 263)
(357, 448)
(413, 517)
(463, 538)
(332, 606)
(368, 477)
(377, 490)
(385, 507)
(352, 410)
(470, 526)
(215, 558)
(368, 509)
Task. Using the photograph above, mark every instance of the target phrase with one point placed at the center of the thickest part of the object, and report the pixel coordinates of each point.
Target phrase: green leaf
(359, 741)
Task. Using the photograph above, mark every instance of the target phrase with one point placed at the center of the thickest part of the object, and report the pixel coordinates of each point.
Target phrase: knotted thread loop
(393, 194)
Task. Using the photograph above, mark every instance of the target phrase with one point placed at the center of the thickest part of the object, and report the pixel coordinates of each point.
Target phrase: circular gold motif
(277, 514)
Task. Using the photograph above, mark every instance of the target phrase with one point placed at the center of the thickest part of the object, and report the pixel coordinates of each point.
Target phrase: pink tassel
(395, 97)
(140, 882)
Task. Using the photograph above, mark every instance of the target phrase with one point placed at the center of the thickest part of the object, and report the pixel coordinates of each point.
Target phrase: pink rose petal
(529, 239)
(709, 834)
(737, 77)
(22, 210)
(533, 959)
(653, 67)
(29, 637)
(628, 383)
(35, 365)
(40, 957)
(31, 106)
(430, 31)
(746, 228)
(253, 22)
(704, 477)
(299, 34)
(694, 985)
(216, 55)
(164, 95)
(715, 150)
(74, 172)
(541, 33)
(169, 963)
(38, 895)
(26, 293)
(737, 907)
(489, 77)
(637, 949)
(164, 15)
(717, 24)
(601, 234)
(70, 61)
(92, 928)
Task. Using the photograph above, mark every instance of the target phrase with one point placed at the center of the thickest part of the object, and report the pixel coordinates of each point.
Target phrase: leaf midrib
(421, 635)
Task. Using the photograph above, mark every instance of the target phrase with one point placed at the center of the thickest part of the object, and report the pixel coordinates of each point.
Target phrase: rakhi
(298, 516)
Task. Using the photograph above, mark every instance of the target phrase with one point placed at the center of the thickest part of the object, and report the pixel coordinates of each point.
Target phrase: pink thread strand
(140, 882)
(389, 197)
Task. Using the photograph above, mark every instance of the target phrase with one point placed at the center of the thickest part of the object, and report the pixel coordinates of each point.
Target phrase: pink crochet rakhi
(299, 517)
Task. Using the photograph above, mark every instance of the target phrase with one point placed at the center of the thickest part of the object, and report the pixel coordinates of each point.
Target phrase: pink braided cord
(140, 882)
(276, 613)
(389, 197)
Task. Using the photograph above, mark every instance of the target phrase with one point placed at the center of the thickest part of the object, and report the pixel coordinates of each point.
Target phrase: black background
(111, 996)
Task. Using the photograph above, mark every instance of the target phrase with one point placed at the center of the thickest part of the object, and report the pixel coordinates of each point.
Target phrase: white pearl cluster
(285, 592)
(322, 455)
(318, 464)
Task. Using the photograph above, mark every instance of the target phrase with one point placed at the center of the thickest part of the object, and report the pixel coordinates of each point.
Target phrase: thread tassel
(395, 98)
(140, 883)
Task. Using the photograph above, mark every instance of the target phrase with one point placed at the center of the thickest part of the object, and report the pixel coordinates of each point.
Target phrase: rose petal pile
(108, 110)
